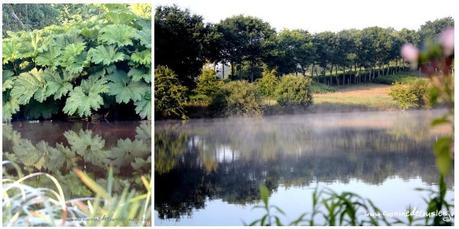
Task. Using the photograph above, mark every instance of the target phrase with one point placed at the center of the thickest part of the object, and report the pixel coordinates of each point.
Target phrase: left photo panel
(76, 90)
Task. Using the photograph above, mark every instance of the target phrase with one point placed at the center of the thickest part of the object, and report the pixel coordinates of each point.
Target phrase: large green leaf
(10, 50)
(124, 89)
(117, 34)
(120, 17)
(10, 107)
(143, 106)
(7, 80)
(105, 55)
(86, 97)
(143, 57)
(72, 51)
(144, 35)
(28, 85)
(49, 58)
(57, 85)
(138, 74)
(74, 57)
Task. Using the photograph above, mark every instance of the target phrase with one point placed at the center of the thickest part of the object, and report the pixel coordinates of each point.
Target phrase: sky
(323, 15)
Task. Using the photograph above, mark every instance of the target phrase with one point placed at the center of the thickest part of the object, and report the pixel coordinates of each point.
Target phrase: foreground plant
(24, 205)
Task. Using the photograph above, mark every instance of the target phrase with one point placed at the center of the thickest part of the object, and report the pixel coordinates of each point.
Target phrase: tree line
(184, 43)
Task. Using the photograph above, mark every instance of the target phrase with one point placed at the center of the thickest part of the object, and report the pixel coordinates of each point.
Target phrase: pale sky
(323, 15)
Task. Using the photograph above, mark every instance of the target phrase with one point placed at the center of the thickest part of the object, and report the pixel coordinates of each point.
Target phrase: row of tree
(184, 43)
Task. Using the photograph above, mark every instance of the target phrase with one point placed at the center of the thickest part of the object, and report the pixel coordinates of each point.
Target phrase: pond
(208, 171)
(58, 147)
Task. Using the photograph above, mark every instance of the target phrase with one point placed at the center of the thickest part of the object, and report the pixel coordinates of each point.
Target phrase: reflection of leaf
(140, 163)
(27, 153)
(87, 145)
(59, 157)
(127, 150)
(143, 132)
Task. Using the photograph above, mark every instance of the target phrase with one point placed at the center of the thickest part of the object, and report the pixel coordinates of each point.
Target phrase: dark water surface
(58, 147)
(207, 171)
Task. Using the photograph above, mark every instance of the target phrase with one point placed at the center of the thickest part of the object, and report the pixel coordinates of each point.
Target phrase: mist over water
(206, 166)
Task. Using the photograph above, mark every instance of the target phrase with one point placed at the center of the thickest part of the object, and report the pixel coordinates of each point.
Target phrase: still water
(58, 147)
(207, 171)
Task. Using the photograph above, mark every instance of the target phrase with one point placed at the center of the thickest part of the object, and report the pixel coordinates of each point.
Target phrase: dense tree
(325, 49)
(185, 43)
(293, 52)
(431, 29)
(180, 42)
(346, 51)
(244, 39)
(28, 16)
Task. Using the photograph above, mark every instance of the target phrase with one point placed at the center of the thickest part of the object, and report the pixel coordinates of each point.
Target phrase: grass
(364, 96)
(402, 78)
(318, 88)
(24, 205)
(330, 208)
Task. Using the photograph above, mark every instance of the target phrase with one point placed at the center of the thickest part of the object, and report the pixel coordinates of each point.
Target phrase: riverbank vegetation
(245, 48)
(92, 64)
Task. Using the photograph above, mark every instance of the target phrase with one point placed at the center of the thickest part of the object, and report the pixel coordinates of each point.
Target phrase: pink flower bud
(446, 39)
(410, 53)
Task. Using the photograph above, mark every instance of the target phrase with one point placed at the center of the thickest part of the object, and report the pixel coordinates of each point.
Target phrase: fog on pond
(58, 147)
(208, 171)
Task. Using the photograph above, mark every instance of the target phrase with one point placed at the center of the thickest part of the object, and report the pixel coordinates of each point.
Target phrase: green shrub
(237, 98)
(267, 84)
(169, 94)
(79, 68)
(294, 90)
(207, 85)
(410, 95)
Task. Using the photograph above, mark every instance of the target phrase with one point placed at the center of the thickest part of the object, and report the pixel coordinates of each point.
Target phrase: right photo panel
(303, 113)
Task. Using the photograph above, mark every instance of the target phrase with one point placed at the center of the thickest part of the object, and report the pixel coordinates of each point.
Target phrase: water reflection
(227, 159)
(58, 147)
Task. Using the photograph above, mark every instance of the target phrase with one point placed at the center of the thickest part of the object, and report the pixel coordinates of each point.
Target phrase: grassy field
(362, 97)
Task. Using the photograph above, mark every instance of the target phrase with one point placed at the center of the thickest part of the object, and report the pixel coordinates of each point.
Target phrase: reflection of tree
(291, 156)
(82, 149)
(169, 147)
